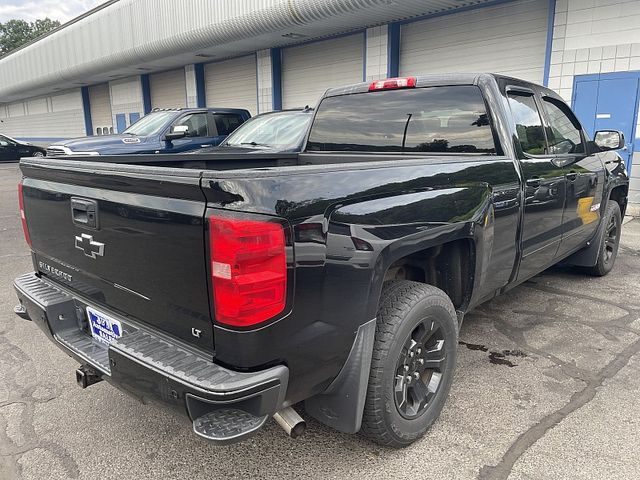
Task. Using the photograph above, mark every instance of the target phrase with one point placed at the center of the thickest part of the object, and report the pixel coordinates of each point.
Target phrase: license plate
(103, 327)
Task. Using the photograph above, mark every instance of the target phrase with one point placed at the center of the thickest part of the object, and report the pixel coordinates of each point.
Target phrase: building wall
(100, 102)
(265, 81)
(46, 118)
(508, 38)
(376, 53)
(168, 89)
(126, 98)
(309, 70)
(596, 36)
(232, 83)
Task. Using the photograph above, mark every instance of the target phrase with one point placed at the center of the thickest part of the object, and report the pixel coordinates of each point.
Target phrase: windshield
(280, 130)
(150, 124)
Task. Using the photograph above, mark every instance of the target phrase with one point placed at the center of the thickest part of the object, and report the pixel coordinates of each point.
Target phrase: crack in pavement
(503, 469)
(12, 361)
(593, 381)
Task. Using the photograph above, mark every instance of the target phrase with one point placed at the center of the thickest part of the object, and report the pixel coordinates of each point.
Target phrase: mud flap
(342, 404)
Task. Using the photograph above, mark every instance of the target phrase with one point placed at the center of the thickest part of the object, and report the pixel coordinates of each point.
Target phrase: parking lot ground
(547, 386)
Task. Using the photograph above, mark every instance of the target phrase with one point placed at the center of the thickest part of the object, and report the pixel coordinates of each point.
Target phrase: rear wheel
(38, 154)
(413, 362)
(609, 240)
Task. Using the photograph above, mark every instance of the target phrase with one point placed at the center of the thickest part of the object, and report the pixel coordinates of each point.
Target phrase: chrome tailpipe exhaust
(291, 422)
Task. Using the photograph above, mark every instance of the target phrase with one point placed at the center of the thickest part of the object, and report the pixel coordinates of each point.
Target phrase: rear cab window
(443, 119)
(227, 122)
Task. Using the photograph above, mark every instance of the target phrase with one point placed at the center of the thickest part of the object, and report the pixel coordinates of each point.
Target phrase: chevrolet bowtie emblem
(90, 248)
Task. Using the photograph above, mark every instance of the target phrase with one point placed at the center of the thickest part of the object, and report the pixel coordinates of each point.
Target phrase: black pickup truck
(238, 286)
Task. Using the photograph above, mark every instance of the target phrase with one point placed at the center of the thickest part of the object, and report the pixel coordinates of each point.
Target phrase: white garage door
(100, 102)
(232, 84)
(308, 70)
(508, 38)
(168, 89)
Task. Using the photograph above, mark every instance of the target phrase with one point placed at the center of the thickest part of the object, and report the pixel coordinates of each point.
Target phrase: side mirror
(3, 143)
(179, 131)
(609, 140)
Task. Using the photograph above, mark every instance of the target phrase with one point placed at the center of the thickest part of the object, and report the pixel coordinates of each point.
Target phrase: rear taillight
(393, 83)
(23, 217)
(248, 270)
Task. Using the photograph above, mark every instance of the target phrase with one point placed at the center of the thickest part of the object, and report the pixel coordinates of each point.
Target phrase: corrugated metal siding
(308, 70)
(100, 102)
(508, 38)
(168, 89)
(232, 83)
(55, 116)
(161, 34)
(126, 98)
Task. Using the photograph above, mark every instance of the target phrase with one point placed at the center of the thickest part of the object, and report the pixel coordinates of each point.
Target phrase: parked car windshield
(149, 124)
(451, 119)
(277, 130)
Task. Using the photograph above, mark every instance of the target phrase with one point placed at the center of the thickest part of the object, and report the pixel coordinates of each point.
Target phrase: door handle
(205, 146)
(571, 176)
(533, 182)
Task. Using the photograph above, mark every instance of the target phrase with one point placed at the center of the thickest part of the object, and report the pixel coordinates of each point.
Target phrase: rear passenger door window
(528, 122)
(227, 122)
(564, 132)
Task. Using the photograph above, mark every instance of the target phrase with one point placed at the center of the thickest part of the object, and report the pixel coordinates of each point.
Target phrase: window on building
(430, 120)
(564, 131)
(528, 123)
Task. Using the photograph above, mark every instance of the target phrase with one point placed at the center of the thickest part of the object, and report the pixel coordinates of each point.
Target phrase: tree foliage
(15, 33)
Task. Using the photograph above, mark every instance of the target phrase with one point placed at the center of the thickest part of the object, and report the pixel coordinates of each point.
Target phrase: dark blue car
(161, 131)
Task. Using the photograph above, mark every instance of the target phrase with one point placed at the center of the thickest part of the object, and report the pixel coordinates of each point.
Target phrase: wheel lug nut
(419, 351)
(406, 368)
(421, 361)
(411, 354)
(416, 375)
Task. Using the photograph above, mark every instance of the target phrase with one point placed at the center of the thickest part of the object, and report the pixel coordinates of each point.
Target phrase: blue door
(133, 118)
(609, 101)
(121, 122)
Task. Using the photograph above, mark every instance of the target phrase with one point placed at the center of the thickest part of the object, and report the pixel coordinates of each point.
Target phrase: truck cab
(169, 130)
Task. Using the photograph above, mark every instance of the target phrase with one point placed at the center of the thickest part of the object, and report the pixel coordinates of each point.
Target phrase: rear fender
(396, 227)
(373, 234)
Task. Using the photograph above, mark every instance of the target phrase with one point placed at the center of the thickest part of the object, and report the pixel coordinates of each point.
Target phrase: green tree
(15, 33)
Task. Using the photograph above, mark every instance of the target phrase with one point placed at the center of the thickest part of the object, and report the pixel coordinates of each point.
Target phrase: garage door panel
(168, 89)
(100, 103)
(508, 39)
(309, 70)
(232, 84)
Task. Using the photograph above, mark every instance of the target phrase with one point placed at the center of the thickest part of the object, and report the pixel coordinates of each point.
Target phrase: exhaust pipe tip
(292, 423)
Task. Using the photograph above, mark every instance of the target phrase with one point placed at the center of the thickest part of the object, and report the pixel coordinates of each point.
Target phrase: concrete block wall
(376, 53)
(596, 36)
(190, 85)
(265, 81)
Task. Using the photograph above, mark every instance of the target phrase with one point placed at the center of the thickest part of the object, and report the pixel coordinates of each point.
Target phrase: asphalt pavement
(546, 387)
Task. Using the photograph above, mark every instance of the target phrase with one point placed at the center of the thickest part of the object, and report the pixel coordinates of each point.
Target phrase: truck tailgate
(130, 237)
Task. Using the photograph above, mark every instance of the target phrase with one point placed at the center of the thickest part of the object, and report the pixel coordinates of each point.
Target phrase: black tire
(609, 240)
(407, 311)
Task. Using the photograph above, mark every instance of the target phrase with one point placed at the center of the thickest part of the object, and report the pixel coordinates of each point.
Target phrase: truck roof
(200, 109)
(433, 80)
